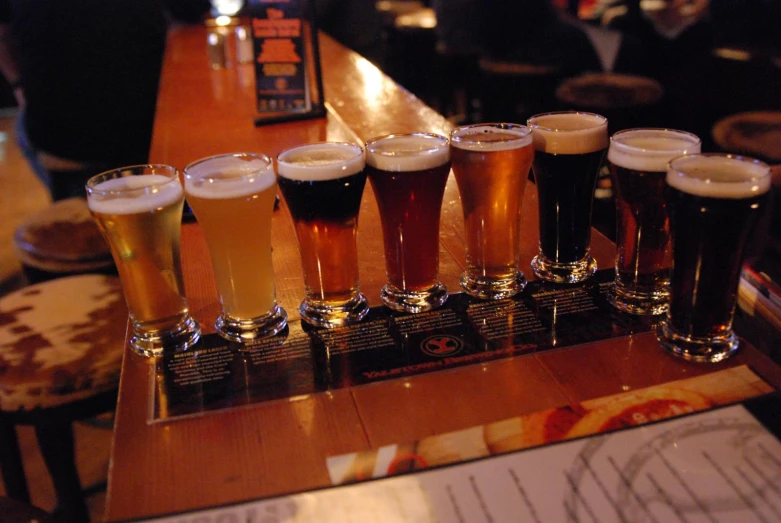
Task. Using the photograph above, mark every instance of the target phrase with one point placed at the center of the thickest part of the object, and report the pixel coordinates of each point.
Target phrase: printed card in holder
(287, 61)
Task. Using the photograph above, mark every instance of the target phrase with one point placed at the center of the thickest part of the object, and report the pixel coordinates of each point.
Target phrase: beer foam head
(229, 175)
(491, 137)
(650, 149)
(407, 152)
(569, 132)
(134, 194)
(719, 176)
(321, 161)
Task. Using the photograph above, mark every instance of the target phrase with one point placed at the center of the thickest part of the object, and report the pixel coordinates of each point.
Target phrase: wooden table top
(280, 447)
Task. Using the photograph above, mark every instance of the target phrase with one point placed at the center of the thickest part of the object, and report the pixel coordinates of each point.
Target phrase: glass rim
(357, 147)
(760, 178)
(186, 172)
(660, 130)
(456, 136)
(730, 157)
(377, 139)
(169, 171)
(599, 119)
(625, 147)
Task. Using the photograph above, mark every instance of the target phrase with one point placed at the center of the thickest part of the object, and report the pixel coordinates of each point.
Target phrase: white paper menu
(716, 466)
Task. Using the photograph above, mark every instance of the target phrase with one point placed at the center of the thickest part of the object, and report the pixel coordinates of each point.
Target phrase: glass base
(186, 334)
(330, 316)
(639, 303)
(413, 301)
(493, 288)
(234, 329)
(563, 272)
(708, 350)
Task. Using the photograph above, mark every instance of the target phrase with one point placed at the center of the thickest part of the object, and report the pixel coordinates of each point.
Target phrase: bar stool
(61, 347)
(626, 100)
(514, 91)
(62, 240)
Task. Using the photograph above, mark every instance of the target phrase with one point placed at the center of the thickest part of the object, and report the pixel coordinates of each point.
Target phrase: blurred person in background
(85, 75)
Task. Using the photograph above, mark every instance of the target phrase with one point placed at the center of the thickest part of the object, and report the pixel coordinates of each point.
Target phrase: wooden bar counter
(280, 447)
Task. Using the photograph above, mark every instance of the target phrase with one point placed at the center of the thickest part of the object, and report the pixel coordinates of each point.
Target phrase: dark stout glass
(714, 202)
(569, 148)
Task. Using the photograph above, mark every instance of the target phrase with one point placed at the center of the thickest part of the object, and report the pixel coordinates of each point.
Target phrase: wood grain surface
(280, 447)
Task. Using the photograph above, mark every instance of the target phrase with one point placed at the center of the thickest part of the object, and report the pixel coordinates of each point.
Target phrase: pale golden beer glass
(232, 197)
(139, 211)
(638, 161)
(715, 201)
(408, 173)
(491, 165)
(322, 184)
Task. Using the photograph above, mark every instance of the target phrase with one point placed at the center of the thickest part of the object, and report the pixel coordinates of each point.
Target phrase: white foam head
(650, 150)
(491, 137)
(407, 152)
(321, 161)
(569, 132)
(229, 175)
(134, 194)
(719, 176)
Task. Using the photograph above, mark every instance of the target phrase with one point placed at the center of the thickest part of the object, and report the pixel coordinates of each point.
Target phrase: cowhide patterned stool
(61, 347)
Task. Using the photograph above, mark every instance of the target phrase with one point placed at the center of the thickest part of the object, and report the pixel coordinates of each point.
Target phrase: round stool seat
(754, 133)
(608, 91)
(63, 238)
(61, 341)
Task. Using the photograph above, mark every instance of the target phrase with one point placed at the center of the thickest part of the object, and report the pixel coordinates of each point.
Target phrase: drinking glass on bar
(569, 148)
(322, 184)
(491, 163)
(638, 161)
(408, 173)
(139, 211)
(232, 196)
(715, 201)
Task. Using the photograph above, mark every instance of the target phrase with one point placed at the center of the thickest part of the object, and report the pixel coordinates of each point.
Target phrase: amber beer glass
(491, 164)
(230, 193)
(638, 161)
(139, 211)
(569, 148)
(322, 184)
(714, 201)
(408, 173)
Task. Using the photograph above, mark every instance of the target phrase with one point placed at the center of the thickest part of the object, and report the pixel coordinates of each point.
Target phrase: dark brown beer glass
(715, 201)
(638, 161)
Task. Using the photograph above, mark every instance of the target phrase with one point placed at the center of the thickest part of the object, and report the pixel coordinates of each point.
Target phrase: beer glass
(139, 211)
(569, 148)
(714, 201)
(408, 173)
(491, 164)
(232, 197)
(322, 184)
(638, 165)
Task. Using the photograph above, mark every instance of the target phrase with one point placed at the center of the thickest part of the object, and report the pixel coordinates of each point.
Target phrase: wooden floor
(21, 194)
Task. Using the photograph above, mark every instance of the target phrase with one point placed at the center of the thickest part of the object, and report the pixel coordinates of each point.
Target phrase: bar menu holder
(289, 83)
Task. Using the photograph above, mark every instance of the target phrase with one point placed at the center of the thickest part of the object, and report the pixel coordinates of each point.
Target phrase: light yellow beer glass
(139, 211)
(232, 197)
(491, 164)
